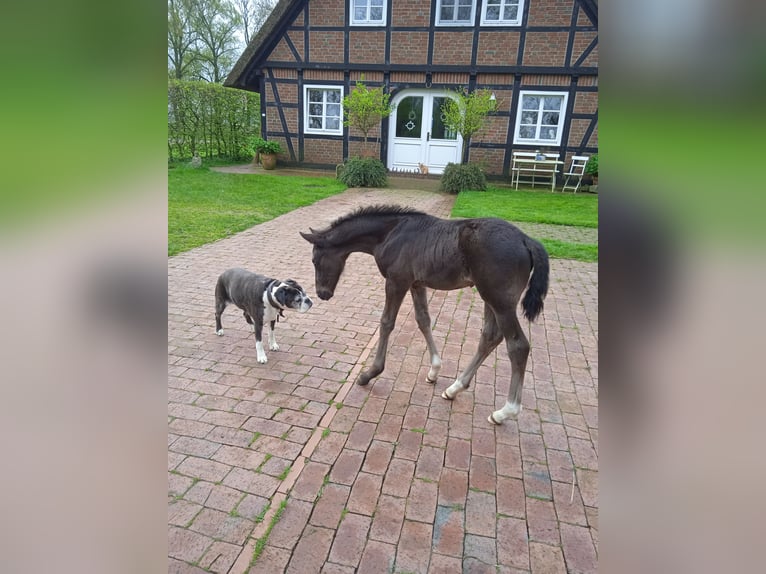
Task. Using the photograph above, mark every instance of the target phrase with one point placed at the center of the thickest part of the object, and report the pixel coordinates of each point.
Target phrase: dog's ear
(292, 283)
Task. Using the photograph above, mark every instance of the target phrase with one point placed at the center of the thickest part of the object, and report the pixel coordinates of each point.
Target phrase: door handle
(428, 136)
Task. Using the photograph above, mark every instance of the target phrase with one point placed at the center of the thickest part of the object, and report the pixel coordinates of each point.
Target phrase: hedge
(210, 120)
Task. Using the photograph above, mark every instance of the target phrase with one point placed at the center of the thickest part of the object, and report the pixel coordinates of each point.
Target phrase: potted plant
(267, 151)
(591, 168)
(364, 108)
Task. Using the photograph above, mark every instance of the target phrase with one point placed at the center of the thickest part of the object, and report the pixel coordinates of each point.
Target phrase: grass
(205, 205)
(260, 544)
(577, 210)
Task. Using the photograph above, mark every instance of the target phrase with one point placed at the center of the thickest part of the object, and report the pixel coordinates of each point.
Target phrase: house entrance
(418, 134)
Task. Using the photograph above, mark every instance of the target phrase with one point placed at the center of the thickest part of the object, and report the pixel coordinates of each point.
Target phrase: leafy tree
(253, 14)
(364, 108)
(215, 23)
(182, 38)
(467, 112)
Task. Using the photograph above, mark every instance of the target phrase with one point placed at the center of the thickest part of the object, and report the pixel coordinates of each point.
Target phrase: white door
(418, 134)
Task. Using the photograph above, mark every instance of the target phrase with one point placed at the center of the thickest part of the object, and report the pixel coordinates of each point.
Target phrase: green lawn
(204, 205)
(579, 210)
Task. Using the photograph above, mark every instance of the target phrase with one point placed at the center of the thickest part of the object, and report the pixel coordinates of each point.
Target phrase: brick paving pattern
(294, 461)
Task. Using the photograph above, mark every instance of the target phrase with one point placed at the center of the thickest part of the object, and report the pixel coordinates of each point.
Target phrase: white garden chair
(575, 173)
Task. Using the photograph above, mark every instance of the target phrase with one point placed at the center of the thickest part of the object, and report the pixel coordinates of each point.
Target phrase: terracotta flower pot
(269, 160)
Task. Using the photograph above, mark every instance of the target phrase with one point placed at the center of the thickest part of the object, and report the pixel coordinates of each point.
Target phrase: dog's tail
(538, 283)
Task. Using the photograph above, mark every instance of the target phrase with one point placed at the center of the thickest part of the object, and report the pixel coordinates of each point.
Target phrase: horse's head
(328, 263)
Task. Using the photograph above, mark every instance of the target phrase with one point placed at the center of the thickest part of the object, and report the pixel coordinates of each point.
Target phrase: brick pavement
(321, 475)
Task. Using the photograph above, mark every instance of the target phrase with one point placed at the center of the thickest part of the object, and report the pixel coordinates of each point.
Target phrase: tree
(253, 14)
(364, 108)
(467, 112)
(215, 23)
(182, 38)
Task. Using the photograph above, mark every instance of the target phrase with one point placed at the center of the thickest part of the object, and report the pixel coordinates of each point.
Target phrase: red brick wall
(498, 48)
(412, 13)
(545, 48)
(326, 151)
(409, 47)
(586, 103)
(491, 160)
(326, 46)
(282, 53)
(452, 48)
(327, 12)
(366, 46)
(581, 41)
(550, 12)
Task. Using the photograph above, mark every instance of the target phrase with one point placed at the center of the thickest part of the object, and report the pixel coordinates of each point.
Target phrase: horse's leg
(394, 295)
(490, 338)
(420, 301)
(518, 352)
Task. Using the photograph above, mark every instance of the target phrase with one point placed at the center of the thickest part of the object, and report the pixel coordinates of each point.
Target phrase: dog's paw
(219, 332)
(274, 346)
(262, 359)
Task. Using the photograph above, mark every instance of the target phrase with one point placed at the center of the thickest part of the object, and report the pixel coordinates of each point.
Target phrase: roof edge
(236, 77)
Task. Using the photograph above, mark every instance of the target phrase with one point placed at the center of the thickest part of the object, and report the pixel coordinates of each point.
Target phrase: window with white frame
(455, 12)
(540, 117)
(502, 12)
(368, 12)
(323, 109)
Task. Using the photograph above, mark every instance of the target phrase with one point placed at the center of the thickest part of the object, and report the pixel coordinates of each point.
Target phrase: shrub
(463, 177)
(210, 121)
(592, 166)
(260, 145)
(363, 172)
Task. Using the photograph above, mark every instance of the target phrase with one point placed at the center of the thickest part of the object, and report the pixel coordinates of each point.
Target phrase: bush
(463, 177)
(363, 172)
(211, 121)
(260, 145)
(592, 166)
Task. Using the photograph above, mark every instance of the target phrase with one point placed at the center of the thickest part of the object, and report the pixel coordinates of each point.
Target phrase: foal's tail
(538, 283)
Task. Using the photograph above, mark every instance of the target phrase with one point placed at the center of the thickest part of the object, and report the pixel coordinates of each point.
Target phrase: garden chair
(575, 173)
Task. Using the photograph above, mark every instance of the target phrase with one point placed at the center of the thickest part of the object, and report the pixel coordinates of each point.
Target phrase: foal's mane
(374, 211)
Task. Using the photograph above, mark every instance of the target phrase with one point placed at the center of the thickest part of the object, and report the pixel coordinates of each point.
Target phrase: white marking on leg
(273, 341)
(453, 390)
(433, 372)
(509, 410)
(219, 332)
(260, 353)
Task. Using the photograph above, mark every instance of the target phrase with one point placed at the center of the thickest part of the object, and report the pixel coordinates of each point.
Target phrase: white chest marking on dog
(269, 312)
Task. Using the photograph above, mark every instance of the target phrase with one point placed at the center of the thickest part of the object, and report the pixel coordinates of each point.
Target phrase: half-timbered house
(538, 57)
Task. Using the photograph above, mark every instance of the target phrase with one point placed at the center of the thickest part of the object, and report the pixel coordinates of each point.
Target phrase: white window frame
(516, 22)
(562, 118)
(366, 22)
(440, 22)
(306, 103)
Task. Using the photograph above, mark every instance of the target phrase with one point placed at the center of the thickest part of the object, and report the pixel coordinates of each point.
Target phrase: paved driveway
(293, 463)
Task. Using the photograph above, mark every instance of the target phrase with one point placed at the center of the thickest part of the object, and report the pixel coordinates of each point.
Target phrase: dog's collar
(272, 301)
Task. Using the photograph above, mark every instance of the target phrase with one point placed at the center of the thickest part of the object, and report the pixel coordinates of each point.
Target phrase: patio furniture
(535, 170)
(576, 171)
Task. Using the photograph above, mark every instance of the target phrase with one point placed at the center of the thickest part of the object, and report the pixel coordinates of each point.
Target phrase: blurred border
(682, 273)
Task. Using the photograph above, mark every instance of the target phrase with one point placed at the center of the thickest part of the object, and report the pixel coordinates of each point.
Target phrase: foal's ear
(310, 237)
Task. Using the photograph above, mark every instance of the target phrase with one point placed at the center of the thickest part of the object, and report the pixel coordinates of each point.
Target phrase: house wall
(548, 53)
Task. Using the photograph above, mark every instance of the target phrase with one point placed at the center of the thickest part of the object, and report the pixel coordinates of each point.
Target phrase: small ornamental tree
(364, 108)
(466, 113)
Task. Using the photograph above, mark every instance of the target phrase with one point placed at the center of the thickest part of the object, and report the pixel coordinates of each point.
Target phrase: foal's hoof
(446, 396)
(491, 418)
(431, 381)
(362, 380)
